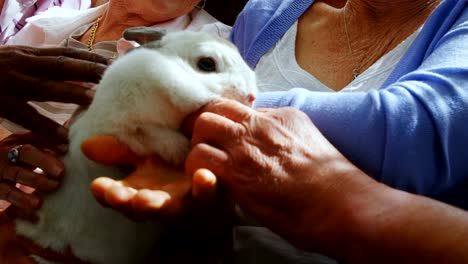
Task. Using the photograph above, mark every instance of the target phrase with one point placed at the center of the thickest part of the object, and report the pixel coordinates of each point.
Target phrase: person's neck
(363, 31)
(95, 3)
(377, 26)
(398, 11)
(117, 18)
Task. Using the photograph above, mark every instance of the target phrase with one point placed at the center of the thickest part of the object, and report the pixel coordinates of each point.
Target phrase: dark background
(225, 10)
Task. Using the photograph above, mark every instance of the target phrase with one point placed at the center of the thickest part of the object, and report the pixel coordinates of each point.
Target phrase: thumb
(108, 150)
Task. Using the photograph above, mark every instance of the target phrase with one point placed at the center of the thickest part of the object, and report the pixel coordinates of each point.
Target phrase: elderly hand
(275, 164)
(33, 152)
(154, 190)
(201, 216)
(43, 74)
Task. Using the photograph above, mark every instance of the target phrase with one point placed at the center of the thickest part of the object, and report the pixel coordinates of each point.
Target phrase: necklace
(357, 68)
(92, 34)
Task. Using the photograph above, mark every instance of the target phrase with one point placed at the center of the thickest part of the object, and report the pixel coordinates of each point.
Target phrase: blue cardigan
(411, 133)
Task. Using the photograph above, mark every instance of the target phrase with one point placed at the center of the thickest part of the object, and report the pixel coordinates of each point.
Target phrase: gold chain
(357, 68)
(92, 34)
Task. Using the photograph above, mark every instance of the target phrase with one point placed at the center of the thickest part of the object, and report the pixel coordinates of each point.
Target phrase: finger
(68, 52)
(17, 174)
(108, 150)
(155, 203)
(15, 212)
(73, 53)
(204, 185)
(216, 130)
(189, 122)
(16, 197)
(137, 205)
(203, 156)
(113, 194)
(46, 89)
(223, 107)
(230, 109)
(48, 163)
(39, 142)
(28, 117)
(64, 68)
(21, 138)
(119, 196)
(99, 187)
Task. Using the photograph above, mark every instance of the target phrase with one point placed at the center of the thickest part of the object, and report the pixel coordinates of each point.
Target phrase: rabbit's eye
(206, 64)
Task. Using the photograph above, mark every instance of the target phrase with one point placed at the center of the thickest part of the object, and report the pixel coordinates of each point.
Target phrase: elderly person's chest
(335, 47)
(81, 40)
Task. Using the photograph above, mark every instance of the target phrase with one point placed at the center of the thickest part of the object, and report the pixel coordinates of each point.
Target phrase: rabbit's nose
(250, 99)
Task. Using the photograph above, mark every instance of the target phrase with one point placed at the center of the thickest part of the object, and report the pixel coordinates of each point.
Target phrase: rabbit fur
(142, 99)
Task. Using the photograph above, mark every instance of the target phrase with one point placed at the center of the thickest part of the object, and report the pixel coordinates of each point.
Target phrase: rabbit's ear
(144, 35)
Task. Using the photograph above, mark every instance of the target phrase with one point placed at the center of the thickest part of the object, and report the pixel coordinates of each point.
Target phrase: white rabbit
(142, 99)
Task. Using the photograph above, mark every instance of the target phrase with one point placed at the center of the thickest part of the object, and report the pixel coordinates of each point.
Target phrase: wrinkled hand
(39, 74)
(35, 152)
(154, 190)
(274, 162)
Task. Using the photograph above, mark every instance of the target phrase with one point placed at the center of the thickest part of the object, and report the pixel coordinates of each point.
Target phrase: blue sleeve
(413, 134)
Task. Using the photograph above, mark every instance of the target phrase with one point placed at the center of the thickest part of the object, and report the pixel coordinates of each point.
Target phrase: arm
(413, 128)
(35, 74)
(32, 154)
(282, 172)
(384, 225)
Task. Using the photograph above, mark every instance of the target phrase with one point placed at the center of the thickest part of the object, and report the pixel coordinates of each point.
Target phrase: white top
(51, 27)
(278, 70)
(14, 12)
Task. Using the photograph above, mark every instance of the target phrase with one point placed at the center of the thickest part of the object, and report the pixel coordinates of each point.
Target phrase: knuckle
(204, 117)
(27, 149)
(60, 61)
(68, 51)
(14, 174)
(95, 68)
(239, 131)
(11, 173)
(5, 191)
(294, 112)
(28, 153)
(14, 57)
